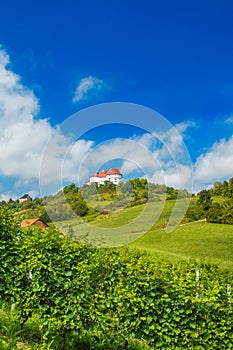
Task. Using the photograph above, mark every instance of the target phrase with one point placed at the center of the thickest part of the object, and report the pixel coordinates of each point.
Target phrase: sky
(66, 64)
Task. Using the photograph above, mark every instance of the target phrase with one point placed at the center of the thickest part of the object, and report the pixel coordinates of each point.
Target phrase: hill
(136, 214)
(200, 240)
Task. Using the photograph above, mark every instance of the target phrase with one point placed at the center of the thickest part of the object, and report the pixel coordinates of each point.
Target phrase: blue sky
(58, 58)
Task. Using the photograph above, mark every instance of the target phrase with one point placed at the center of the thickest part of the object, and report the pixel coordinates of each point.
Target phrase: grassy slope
(200, 240)
(116, 229)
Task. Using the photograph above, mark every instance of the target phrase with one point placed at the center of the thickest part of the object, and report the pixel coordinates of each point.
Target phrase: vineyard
(57, 294)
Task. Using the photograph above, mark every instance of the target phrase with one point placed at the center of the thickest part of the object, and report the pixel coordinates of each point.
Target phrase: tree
(171, 193)
(218, 189)
(214, 213)
(70, 189)
(204, 200)
(230, 188)
(127, 187)
(107, 191)
(225, 191)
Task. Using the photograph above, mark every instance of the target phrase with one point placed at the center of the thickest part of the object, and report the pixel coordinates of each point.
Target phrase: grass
(200, 240)
(144, 227)
(119, 228)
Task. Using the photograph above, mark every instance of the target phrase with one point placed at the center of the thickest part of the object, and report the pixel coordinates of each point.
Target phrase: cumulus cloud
(153, 157)
(172, 140)
(216, 164)
(159, 155)
(85, 86)
(23, 136)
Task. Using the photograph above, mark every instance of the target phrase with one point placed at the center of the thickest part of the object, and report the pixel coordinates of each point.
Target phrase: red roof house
(33, 222)
(112, 175)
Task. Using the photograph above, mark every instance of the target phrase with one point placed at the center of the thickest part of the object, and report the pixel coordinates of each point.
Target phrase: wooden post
(229, 293)
(197, 282)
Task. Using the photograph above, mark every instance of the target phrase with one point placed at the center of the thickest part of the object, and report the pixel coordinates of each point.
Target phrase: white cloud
(216, 164)
(155, 159)
(23, 136)
(179, 176)
(85, 86)
(229, 120)
(73, 161)
(6, 196)
(172, 140)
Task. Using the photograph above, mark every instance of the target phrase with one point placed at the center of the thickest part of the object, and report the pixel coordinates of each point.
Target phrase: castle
(113, 175)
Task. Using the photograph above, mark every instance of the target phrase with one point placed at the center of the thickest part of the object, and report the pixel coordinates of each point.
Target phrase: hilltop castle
(113, 175)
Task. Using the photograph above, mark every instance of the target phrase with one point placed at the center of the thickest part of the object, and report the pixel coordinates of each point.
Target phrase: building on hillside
(25, 198)
(33, 222)
(113, 175)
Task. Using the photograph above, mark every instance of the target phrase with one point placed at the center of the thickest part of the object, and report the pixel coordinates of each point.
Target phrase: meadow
(199, 240)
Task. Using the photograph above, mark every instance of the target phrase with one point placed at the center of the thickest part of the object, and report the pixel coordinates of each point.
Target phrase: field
(200, 240)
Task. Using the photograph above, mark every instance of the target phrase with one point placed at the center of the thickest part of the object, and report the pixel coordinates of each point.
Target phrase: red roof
(30, 222)
(103, 173)
(114, 171)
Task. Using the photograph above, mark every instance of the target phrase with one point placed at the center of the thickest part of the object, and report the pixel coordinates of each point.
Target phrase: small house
(25, 198)
(33, 222)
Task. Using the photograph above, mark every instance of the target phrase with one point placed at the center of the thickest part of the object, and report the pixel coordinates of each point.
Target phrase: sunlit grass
(201, 240)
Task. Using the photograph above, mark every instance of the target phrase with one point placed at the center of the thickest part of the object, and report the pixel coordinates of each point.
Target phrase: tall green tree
(204, 200)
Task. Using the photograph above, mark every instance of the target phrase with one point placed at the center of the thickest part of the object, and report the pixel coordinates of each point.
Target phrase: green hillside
(140, 214)
(201, 240)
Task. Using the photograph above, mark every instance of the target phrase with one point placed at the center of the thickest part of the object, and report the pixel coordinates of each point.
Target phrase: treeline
(90, 201)
(215, 205)
(224, 189)
(27, 209)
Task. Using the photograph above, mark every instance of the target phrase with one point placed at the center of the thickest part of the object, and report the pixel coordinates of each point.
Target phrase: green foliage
(107, 191)
(65, 205)
(86, 298)
(171, 193)
(89, 190)
(224, 189)
(45, 217)
(70, 189)
(90, 201)
(214, 213)
(140, 191)
(212, 208)
(204, 200)
(75, 200)
(9, 329)
(9, 252)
